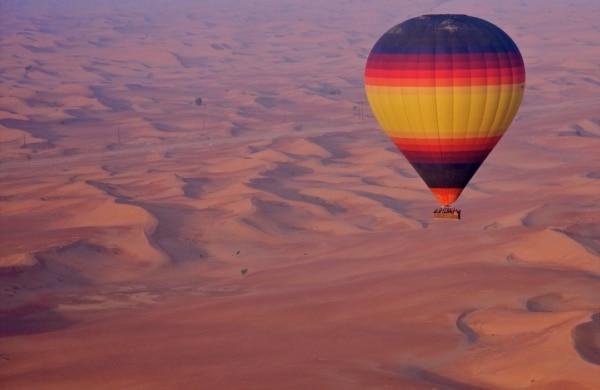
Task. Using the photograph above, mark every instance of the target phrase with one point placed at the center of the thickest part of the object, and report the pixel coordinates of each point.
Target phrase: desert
(272, 237)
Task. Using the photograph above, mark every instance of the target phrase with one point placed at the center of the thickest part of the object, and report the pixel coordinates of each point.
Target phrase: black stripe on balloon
(446, 175)
(460, 34)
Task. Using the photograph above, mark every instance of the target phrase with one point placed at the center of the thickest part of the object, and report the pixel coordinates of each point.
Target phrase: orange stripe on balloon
(446, 196)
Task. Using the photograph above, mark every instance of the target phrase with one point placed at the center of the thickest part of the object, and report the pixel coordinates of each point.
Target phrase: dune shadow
(323, 89)
(465, 329)
(169, 235)
(238, 129)
(38, 146)
(578, 131)
(586, 339)
(46, 273)
(403, 172)
(114, 103)
(435, 380)
(546, 303)
(36, 129)
(165, 127)
(275, 187)
(593, 175)
(591, 81)
(194, 187)
(397, 206)
(190, 62)
(272, 216)
(332, 144)
(585, 234)
(269, 102)
(272, 182)
(39, 50)
(31, 319)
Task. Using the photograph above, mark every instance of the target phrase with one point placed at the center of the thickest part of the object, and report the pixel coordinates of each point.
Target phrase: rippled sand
(128, 213)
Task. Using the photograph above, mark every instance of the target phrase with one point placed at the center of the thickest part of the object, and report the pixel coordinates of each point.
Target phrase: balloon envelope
(445, 88)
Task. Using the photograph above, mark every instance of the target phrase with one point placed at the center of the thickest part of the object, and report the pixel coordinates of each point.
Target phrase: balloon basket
(447, 213)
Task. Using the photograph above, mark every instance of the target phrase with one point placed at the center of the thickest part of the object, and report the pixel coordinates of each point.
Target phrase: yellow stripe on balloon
(445, 112)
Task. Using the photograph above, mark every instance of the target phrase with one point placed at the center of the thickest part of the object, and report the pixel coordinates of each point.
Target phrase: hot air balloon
(445, 88)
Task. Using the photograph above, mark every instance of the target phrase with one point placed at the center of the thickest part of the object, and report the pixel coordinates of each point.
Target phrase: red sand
(128, 212)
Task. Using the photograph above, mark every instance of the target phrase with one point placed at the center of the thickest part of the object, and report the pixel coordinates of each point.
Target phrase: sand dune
(555, 248)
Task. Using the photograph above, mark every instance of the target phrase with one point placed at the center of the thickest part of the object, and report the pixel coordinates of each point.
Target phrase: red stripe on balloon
(444, 82)
(450, 144)
(444, 61)
(515, 72)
